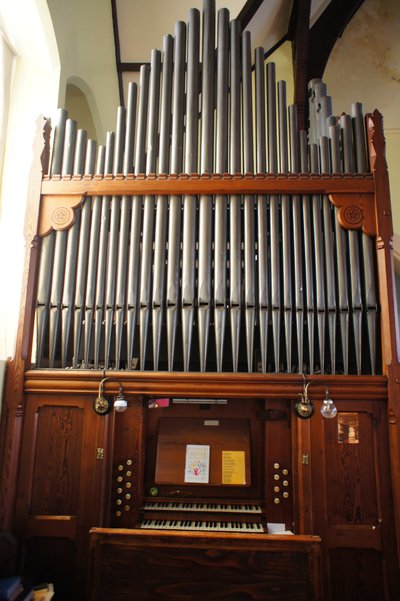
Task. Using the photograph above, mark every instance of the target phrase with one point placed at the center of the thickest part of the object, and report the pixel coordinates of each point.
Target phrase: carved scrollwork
(57, 212)
(356, 211)
(351, 217)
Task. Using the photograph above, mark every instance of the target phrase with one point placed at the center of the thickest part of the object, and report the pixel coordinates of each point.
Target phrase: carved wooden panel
(133, 565)
(352, 501)
(62, 471)
(57, 464)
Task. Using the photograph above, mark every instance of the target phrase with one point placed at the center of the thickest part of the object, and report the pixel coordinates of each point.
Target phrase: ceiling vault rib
(326, 31)
(298, 32)
(117, 44)
(248, 11)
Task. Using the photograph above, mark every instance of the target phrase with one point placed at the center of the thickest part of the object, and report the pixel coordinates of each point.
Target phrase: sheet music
(197, 465)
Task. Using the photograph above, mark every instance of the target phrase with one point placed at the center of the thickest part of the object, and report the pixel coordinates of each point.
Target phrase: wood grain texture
(132, 565)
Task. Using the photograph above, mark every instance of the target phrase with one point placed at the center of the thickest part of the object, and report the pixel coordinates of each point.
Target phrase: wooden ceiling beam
(248, 11)
(325, 33)
(311, 48)
(298, 32)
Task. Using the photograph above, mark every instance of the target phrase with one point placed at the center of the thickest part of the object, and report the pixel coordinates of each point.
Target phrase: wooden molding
(356, 211)
(207, 184)
(57, 212)
(205, 384)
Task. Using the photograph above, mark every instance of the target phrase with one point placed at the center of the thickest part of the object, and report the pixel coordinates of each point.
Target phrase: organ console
(210, 261)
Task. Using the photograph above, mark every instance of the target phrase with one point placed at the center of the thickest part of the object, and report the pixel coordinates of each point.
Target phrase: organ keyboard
(204, 526)
(208, 507)
(226, 516)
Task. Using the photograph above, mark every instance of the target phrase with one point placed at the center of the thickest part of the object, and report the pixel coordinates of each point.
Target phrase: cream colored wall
(34, 92)
(365, 66)
(70, 44)
(85, 40)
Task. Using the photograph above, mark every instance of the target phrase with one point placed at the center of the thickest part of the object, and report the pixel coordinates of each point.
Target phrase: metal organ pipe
(57, 297)
(149, 204)
(93, 254)
(274, 215)
(235, 244)
(221, 166)
(206, 166)
(262, 209)
(297, 239)
(286, 226)
(260, 282)
(47, 248)
(369, 268)
(309, 263)
(248, 201)
(190, 202)
(123, 242)
(102, 253)
(160, 234)
(136, 217)
(175, 203)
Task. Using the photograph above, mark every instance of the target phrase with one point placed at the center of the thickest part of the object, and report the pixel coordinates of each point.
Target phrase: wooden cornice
(205, 385)
(352, 194)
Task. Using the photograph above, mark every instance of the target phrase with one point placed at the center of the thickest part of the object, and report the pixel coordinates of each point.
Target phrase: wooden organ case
(212, 265)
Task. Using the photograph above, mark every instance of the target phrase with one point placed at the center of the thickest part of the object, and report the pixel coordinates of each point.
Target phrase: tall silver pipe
(47, 247)
(235, 244)
(149, 204)
(102, 255)
(354, 251)
(160, 235)
(70, 314)
(221, 166)
(319, 262)
(56, 294)
(328, 219)
(123, 240)
(82, 257)
(136, 217)
(93, 261)
(190, 202)
(274, 215)
(175, 204)
(298, 228)
(286, 226)
(206, 166)
(370, 292)
(112, 252)
(262, 209)
(308, 255)
(341, 252)
(248, 201)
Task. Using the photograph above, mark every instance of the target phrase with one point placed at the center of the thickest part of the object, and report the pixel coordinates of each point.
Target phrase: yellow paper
(233, 467)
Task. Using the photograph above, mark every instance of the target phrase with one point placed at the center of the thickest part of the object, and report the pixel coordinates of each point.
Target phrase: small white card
(197, 464)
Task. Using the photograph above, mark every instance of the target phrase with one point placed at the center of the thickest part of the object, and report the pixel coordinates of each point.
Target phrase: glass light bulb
(328, 409)
(120, 403)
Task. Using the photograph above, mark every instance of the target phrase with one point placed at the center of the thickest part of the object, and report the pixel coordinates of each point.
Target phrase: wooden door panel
(353, 508)
(59, 487)
(357, 574)
(350, 470)
(57, 465)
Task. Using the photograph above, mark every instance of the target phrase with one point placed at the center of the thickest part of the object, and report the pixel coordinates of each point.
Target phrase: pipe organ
(210, 282)
(212, 261)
